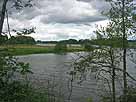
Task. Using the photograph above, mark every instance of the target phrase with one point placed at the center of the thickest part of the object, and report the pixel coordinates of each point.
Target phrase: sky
(60, 19)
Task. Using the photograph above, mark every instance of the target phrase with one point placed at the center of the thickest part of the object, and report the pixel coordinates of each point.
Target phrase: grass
(35, 49)
(132, 44)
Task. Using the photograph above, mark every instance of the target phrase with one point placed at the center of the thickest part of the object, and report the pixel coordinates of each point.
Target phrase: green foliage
(3, 39)
(21, 40)
(35, 49)
(70, 41)
(11, 89)
(19, 4)
(9, 66)
(134, 17)
(88, 47)
(27, 50)
(89, 99)
(61, 48)
(21, 37)
(132, 44)
(117, 13)
(114, 42)
(131, 94)
(21, 92)
(109, 36)
(25, 31)
(106, 99)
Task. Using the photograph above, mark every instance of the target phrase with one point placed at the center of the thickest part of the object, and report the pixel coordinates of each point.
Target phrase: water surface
(51, 70)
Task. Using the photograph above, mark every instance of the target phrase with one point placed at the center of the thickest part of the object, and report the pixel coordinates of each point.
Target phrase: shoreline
(17, 50)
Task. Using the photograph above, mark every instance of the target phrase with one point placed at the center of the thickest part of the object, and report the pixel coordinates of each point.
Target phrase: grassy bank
(132, 44)
(35, 49)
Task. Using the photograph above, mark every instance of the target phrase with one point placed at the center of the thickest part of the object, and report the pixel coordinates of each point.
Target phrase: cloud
(66, 31)
(59, 19)
(71, 11)
(61, 11)
(100, 5)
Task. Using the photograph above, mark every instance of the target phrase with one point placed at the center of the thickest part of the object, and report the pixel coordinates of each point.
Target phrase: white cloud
(66, 31)
(59, 19)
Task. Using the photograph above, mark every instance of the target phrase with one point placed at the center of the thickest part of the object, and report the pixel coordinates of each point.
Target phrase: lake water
(50, 71)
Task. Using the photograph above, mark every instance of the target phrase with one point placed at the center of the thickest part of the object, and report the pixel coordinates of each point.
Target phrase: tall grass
(35, 49)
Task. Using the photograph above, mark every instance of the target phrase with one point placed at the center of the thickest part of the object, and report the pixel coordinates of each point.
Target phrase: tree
(21, 40)
(2, 15)
(102, 62)
(122, 15)
(18, 4)
(109, 38)
(3, 39)
(104, 59)
(25, 31)
(121, 26)
(21, 37)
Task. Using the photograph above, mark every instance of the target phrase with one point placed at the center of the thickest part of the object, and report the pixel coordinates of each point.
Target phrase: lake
(51, 72)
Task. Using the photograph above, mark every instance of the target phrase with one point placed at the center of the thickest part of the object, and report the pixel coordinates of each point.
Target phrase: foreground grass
(35, 49)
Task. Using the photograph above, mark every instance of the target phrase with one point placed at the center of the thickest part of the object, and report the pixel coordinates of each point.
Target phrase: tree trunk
(2, 16)
(113, 75)
(8, 23)
(124, 75)
(124, 52)
(113, 85)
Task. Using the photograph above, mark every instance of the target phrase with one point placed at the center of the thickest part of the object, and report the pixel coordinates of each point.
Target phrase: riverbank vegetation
(36, 49)
(25, 49)
(11, 88)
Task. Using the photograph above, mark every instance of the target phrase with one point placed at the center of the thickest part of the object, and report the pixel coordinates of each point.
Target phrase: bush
(89, 99)
(20, 92)
(61, 48)
(11, 89)
(21, 40)
(131, 95)
(3, 39)
(88, 47)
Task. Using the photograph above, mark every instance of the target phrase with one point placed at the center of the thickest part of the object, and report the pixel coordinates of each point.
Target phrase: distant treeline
(131, 40)
(19, 39)
(70, 41)
(23, 39)
(83, 41)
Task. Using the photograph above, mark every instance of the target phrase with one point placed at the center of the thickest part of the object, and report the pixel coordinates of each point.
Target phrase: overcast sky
(60, 19)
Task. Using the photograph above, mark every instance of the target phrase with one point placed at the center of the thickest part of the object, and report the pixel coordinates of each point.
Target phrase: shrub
(12, 89)
(3, 39)
(60, 48)
(21, 40)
